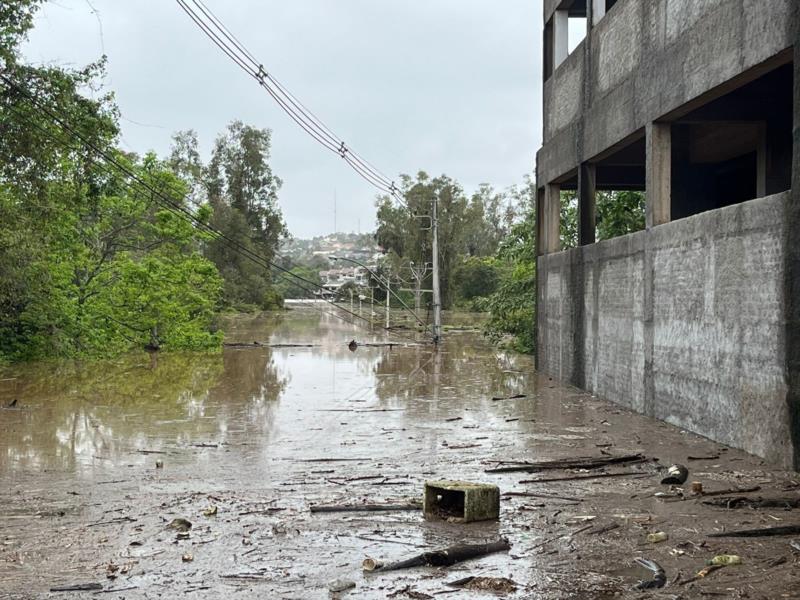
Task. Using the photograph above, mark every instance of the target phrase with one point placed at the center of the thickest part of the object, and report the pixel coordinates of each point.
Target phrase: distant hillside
(348, 245)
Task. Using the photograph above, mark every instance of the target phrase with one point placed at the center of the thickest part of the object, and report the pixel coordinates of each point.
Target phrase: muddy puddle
(97, 460)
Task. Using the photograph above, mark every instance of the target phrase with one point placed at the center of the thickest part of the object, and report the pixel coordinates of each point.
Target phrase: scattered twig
(112, 521)
(604, 529)
(537, 495)
(584, 477)
(112, 590)
(323, 460)
(78, 587)
(320, 508)
(514, 397)
(570, 463)
(387, 541)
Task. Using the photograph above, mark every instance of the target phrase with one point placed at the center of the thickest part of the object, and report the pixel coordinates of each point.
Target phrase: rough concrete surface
(650, 58)
(714, 357)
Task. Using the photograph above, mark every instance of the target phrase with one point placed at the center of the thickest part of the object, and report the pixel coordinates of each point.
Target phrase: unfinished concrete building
(695, 319)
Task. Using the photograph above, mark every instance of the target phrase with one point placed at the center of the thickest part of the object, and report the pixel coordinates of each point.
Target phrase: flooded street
(248, 440)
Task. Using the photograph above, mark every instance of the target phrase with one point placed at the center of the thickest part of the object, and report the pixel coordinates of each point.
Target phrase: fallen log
(265, 345)
(440, 558)
(731, 491)
(588, 463)
(750, 502)
(327, 508)
(763, 532)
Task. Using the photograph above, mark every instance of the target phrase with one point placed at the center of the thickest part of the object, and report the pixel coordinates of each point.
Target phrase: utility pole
(388, 296)
(437, 297)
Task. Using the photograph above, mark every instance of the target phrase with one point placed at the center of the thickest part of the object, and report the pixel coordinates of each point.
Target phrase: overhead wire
(168, 203)
(324, 129)
(213, 27)
(230, 45)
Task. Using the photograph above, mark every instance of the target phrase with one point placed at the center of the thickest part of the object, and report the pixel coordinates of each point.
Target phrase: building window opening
(619, 182)
(568, 212)
(619, 212)
(576, 32)
(563, 33)
(735, 148)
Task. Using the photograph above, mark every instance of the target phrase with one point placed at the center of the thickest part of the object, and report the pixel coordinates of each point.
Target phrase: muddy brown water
(262, 433)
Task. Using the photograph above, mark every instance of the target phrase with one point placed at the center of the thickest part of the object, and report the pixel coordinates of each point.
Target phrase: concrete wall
(645, 59)
(684, 322)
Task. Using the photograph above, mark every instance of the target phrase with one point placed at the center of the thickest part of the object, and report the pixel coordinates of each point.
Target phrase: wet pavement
(251, 438)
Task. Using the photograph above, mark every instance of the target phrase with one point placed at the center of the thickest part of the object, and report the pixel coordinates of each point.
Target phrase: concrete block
(461, 501)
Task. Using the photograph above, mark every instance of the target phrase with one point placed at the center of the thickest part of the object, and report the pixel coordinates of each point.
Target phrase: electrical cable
(230, 45)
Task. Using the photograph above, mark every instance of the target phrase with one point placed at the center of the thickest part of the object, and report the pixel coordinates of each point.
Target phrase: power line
(170, 205)
(230, 45)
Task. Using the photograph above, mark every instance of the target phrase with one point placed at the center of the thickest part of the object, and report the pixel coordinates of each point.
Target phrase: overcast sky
(447, 86)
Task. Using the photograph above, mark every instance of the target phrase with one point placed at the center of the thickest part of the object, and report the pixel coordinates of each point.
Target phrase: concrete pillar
(560, 37)
(658, 174)
(761, 162)
(539, 221)
(598, 10)
(587, 204)
(792, 273)
(551, 219)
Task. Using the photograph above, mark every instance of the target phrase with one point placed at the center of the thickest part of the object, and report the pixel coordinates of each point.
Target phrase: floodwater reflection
(74, 416)
(83, 417)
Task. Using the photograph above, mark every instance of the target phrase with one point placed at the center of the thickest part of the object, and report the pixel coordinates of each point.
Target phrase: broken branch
(766, 531)
(320, 508)
(570, 463)
(439, 558)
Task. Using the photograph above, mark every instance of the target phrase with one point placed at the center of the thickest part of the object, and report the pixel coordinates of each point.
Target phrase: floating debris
(676, 475)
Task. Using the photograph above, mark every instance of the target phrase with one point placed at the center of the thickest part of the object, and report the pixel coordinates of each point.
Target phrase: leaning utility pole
(437, 297)
(388, 296)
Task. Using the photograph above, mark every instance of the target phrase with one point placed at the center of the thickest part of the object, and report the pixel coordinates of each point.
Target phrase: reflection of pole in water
(437, 370)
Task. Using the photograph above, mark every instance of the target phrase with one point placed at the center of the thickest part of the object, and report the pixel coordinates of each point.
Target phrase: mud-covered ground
(257, 435)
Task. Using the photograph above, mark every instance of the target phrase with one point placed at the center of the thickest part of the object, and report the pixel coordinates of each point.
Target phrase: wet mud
(99, 460)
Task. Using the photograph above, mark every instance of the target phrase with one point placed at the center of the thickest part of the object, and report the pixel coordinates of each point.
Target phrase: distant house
(333, 279)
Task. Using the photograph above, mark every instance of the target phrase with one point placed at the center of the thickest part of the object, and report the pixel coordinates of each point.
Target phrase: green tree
(291, 287)
(512, 306)
(404, 231)
(16, 19)
(243, 192)
(477, 277)
(619, 213)
(487, 221)
(89, 264)
(568, 222)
